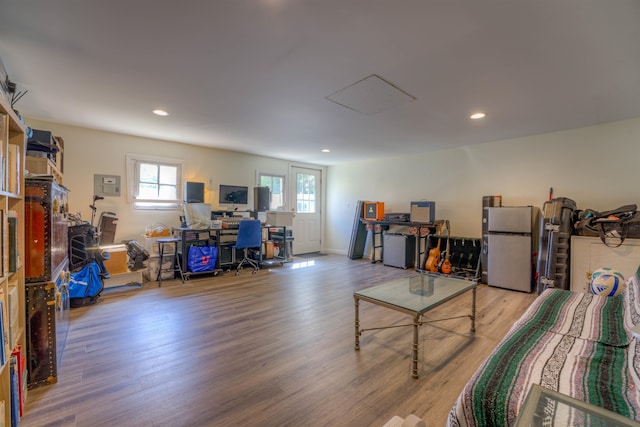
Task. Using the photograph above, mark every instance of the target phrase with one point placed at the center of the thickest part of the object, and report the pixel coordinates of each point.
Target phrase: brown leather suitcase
(47, 326)
(42, 365)
(46, 239)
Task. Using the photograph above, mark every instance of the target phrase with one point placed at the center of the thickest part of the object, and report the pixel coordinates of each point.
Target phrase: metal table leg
(414, 355)
(473, 310)
(357, 306)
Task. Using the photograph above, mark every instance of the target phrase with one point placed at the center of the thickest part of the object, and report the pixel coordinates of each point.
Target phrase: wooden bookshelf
(12, 290)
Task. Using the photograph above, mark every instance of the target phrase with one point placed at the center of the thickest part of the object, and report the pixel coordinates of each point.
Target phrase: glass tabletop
(417, 293)
(549, 408)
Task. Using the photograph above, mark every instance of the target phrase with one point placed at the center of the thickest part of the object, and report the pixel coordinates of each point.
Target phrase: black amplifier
(400, 217)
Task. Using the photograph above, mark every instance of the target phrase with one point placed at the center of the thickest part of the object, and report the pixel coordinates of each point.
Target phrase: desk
(226, 259)
(378, 227)
(281, 236)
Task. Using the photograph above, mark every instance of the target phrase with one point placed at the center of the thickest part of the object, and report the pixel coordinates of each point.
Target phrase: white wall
(595, 166)
(598, 167)
(88, 152)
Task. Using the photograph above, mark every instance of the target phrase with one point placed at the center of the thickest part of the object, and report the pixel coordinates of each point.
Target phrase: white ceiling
(253, 75)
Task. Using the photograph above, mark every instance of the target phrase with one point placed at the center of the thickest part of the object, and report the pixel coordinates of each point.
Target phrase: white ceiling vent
(370, 95)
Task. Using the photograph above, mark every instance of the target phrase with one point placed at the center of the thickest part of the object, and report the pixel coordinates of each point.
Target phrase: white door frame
(291, 198)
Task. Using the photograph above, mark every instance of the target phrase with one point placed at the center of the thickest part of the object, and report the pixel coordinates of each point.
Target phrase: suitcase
(47, 326)
(46, 238)
(556, 229)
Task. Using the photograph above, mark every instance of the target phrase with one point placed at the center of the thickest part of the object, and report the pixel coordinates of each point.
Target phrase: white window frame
(133, 180)
(260, 174)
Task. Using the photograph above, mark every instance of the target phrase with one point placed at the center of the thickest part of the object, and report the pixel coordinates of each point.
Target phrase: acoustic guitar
(434, 258)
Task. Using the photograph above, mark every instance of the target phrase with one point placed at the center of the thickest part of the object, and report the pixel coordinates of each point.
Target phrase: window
(305, 193)
(276, 184)
(154, 183)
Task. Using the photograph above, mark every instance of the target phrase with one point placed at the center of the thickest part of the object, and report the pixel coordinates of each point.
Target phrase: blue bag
(202, 258)
(85, 285)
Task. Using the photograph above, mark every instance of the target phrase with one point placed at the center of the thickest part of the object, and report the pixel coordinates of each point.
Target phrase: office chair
(249, 237)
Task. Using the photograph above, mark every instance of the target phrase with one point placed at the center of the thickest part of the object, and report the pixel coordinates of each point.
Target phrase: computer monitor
(233, 195)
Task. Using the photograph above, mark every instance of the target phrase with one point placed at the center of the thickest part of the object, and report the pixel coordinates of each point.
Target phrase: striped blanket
(576, 344)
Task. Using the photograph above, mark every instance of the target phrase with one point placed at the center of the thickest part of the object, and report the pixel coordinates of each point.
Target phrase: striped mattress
(574, 343)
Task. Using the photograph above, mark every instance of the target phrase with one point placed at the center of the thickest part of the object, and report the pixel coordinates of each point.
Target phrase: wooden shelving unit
(12, 290)
(47, 166)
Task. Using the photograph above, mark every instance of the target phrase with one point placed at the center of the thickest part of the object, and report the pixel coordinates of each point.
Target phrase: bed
(574, 343)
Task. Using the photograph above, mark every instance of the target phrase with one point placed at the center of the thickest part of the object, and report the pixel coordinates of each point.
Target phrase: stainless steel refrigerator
(510, 248)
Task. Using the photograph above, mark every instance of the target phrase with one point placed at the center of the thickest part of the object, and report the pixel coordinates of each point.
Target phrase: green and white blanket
(576, 344)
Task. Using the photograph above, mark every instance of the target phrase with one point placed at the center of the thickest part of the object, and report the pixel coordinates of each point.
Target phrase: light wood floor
(272, 349)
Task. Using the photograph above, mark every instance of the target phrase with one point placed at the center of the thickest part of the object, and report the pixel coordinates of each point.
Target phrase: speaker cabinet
(423, 211)
(261, 199)
(225, 252)
(399, 250)
(374, 210)
(194, 192)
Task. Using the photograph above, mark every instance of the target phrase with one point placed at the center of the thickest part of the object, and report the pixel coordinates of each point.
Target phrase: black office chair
(249, 237)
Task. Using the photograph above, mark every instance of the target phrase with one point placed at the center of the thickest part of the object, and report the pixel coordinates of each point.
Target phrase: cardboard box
(43, 166)
(280, 219)
(268, 249)
(117, 262)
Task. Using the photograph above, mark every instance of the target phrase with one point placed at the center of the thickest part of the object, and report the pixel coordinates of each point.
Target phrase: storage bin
(153, 264)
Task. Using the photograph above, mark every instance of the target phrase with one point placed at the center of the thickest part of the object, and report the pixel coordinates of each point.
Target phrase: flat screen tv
(233, 195)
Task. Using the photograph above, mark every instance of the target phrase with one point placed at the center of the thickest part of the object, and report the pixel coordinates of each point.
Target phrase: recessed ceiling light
(326, 150)
(476, 116)
(160, 113)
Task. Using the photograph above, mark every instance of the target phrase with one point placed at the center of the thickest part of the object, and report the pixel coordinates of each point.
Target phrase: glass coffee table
(415, 295)
(548, 408)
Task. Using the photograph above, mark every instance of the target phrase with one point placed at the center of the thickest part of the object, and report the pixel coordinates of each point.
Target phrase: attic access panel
(371, 95)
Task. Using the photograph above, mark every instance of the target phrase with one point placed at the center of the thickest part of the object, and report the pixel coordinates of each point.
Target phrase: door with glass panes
(305, 192)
